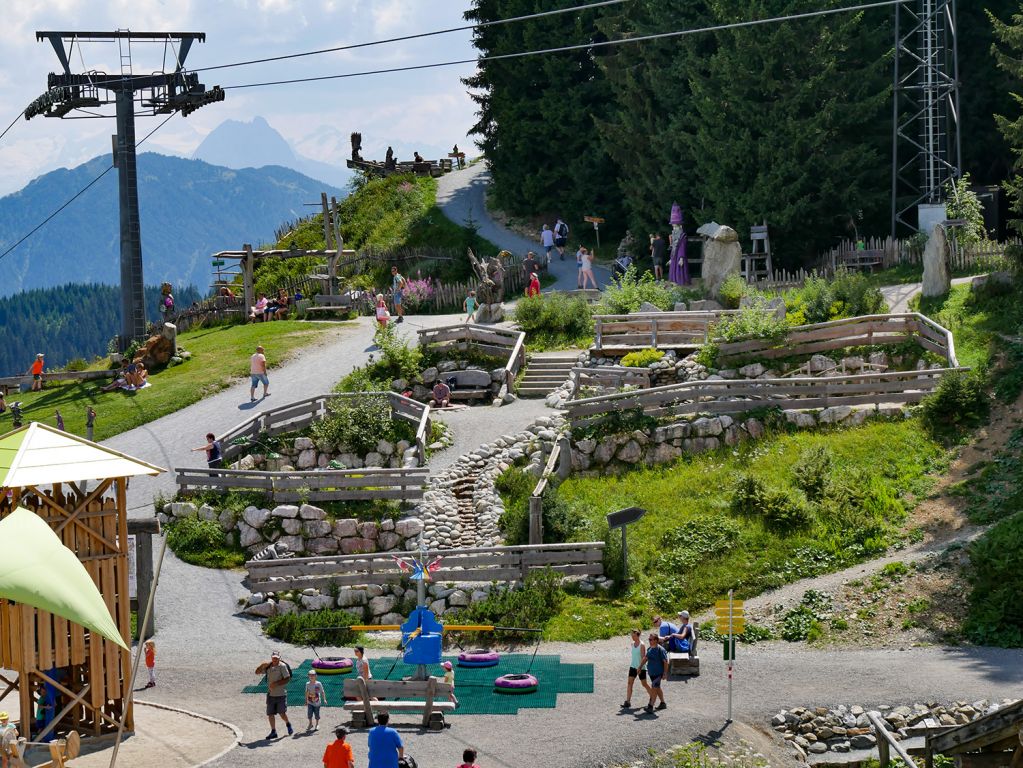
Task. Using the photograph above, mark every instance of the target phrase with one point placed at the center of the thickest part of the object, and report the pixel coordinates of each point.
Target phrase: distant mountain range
(189, 210)
(254, 144)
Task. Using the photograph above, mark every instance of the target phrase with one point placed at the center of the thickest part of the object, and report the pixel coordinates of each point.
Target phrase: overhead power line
(80, 192)
(16, 118)
(403, 38)
(579, 46)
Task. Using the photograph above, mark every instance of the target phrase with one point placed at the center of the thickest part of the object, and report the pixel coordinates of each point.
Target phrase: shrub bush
(752, 322)
(854, 295)
(786, 510)
(996, 577)
(815, 300)
(301, 628)
(959, 403)
(812, 471)
(748, 495)
(360, 423)
(688, 545)
(202, 542)
(554, 313)
(629, 293)
(732, 290)
(532, 605)
(398, 358)
(642, 358)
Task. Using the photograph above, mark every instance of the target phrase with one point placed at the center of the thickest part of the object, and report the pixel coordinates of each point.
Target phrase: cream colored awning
(41, 455)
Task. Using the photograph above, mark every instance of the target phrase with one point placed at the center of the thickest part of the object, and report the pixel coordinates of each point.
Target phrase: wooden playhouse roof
(38, 454)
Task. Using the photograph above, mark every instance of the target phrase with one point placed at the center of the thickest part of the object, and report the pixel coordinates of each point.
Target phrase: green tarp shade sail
(36, 569)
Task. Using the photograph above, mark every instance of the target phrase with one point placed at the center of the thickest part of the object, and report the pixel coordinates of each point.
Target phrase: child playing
(469, 307)
(533, 289)
(382, 314)
(8, 738)
(149, 647)
(469, 759)
(449, 677)
(315, 697)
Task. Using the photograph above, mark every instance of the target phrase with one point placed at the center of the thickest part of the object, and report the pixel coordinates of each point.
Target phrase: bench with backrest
(323, 302)
(865, 259)
(686, 663)
(470, 384)
(429, 697)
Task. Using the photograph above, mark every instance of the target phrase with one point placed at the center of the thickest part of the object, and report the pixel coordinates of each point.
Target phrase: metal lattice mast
(163, 92)
(926, 150)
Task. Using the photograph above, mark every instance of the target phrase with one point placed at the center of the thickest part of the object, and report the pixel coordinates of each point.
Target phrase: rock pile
(817, 730)
(372, 603)
(302, 529)
(462, 507)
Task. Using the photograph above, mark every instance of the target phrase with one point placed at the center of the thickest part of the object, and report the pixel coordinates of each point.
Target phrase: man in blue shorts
(656, 663)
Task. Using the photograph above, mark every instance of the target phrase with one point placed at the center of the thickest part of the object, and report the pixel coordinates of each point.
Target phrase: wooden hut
(83, 678)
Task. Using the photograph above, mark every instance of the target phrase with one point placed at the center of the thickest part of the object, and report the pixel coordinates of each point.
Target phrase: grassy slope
(897, 454)
(219, 356)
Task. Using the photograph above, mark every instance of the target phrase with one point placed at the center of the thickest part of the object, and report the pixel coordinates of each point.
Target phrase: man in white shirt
(257, 374)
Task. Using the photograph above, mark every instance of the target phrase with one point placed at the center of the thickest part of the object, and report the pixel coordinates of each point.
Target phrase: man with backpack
(560, 238)
(278, 675)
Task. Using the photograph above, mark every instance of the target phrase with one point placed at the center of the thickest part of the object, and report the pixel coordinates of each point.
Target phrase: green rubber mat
(474, 687)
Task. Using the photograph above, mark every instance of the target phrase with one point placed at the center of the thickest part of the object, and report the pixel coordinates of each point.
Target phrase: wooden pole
(248, 271)
(144, 580)
(328, 231)
(535, 520)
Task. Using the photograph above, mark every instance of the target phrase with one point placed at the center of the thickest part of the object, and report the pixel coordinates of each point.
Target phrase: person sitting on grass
(441, 395)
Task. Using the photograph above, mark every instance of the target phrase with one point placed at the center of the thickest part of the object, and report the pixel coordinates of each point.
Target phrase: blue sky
(428, 108)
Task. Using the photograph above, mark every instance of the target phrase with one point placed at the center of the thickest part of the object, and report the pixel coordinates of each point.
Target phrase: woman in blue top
(637, 667)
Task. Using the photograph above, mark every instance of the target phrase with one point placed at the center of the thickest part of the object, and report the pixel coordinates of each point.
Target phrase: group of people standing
(650, 660)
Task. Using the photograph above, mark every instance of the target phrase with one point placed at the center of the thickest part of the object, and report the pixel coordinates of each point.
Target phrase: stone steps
(546, 372)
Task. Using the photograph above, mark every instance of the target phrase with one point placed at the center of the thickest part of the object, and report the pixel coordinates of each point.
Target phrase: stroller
(620, 267)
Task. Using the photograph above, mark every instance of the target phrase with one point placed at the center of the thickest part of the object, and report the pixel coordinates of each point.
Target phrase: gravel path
(462, 193)
(898, 296)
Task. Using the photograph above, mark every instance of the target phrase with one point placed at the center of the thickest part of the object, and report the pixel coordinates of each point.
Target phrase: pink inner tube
(516, 681)
(479, 656)
(333, 664)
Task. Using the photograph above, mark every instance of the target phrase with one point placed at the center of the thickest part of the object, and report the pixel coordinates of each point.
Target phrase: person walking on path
(398, 284)
(214, 454)
(257, 374)
(637, 667)
(656, 662)
(658, 253)
(586, 272)
(560, 237)
(339, 753)
(90, 423)
(530, 265)
(149, 647)
(547, 241)
(579, 266)
(315, 697)
(278, 675)
(385, 745)
(60, 420)
(469, 307)
(37, 372)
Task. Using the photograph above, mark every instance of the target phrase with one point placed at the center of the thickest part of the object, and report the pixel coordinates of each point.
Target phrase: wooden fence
(641, 330)
(369, 484)
(984, 255)
(483, 564)
(616, 376)
(10, 382)
(866, 330)
(735, 396)
(298, 415)
(489, 339)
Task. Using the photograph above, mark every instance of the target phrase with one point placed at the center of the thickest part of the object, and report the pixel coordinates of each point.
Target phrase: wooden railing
(499, 342)
(9, 382)
(616, 376)
(984, 255)
(298, 415)
(484, 564)
(864, 331)
(401, 484)
(643, 330)
(732, 396)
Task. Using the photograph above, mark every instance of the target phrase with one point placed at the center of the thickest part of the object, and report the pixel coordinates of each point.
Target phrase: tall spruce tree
(537, 114)
(1010, 59)
(782, 116)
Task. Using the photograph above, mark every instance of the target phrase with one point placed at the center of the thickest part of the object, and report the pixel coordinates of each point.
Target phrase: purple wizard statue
(678, 268)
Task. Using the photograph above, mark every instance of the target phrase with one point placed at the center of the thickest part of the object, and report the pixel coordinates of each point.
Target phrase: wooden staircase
(546, 371)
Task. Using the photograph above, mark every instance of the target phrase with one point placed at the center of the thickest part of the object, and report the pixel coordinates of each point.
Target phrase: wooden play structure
(61, 750)
(81, 680)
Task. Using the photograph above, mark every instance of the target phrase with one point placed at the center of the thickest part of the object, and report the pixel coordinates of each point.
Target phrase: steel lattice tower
(926, 151)
(163, 92)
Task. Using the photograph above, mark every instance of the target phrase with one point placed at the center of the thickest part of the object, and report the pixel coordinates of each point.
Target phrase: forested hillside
(785, 122)
(66, 322)
(189, 210)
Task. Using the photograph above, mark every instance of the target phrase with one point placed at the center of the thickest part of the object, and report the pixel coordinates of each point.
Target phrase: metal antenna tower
(926, 150)
(161, 92)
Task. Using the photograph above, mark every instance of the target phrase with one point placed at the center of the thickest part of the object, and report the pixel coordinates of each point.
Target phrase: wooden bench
(866, 259)
(470, 384)
(686, 663)
(400, 696)
(323, 302)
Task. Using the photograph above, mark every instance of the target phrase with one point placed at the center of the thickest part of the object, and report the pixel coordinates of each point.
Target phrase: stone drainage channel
(462, 506)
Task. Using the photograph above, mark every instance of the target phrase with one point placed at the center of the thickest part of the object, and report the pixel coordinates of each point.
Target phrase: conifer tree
(1009, 56)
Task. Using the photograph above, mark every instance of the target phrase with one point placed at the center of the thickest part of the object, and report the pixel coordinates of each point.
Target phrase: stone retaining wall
(303, 530)
(304, 453)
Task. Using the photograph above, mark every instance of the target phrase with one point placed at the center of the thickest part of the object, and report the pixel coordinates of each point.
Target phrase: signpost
(596, 221)
(729, 620)
(621, 519)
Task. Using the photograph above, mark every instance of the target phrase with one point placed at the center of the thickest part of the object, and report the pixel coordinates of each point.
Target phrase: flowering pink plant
(417, 293)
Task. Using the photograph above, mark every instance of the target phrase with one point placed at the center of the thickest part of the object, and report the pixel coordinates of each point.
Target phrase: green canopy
(37, 569)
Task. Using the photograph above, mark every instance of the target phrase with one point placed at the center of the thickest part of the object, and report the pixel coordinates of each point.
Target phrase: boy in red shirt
(339, 753)
(150, 649)
(469, 759)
